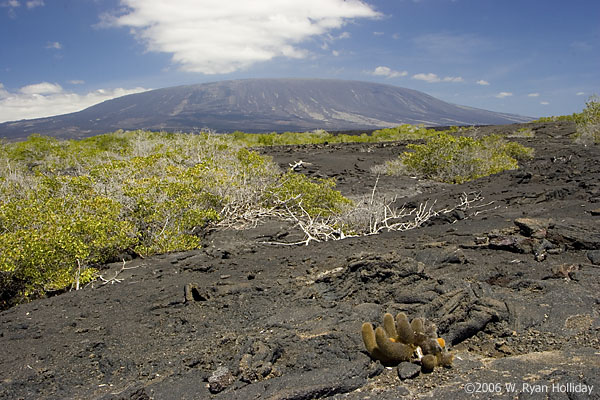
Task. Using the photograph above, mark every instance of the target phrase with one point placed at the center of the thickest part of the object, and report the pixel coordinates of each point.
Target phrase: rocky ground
(512, 283)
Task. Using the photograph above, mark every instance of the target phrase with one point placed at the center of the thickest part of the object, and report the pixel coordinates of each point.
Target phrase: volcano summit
(261, 105)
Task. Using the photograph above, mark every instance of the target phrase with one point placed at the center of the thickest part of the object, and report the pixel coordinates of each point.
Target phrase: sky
(528, 57)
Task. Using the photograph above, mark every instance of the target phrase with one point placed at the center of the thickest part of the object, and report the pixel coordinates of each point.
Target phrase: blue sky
(535, 58)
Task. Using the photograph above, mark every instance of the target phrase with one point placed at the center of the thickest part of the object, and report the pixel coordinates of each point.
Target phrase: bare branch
(114, 279)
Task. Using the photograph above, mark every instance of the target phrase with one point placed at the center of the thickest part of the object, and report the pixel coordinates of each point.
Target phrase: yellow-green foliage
(317, 198)
(573, 117)
(66, 206)
(48, 230)
(455, 159)
(402, 132)
(588, 122)
(522, 133)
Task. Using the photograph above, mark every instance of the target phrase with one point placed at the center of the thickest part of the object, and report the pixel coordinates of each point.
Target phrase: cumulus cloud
(10, 3)
(388, 72)
(533, 95)
(3, 92)
(482, 82)
(46, 99)
(43, 88)
(54, 45)
(215, 36)
(35, 3)
(433, 78)
(502, 95)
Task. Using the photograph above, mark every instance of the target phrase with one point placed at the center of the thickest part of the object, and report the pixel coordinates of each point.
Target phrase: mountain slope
(261, 105)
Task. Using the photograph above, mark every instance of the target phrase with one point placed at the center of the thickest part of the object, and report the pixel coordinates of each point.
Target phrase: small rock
(220, 380)
(595, 212)
(506, 349)
(575, 234)
(408, 370)
(458, 214)
(534, 227)
(564, 270)
(456, 257)
(512, 243)
(594, 256)
(482, 240)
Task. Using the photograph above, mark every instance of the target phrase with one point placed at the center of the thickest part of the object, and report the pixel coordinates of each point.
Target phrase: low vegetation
(588, 122)
(457, 159)
(402, 132)
(68, 207)
(571, 117)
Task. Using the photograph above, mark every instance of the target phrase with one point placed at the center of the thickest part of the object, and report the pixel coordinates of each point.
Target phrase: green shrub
(459, 159)
(572, 118)
(402, 132)
(588, 122)
(69, 206)
(522, 133)
(48, 232)
(317, 198)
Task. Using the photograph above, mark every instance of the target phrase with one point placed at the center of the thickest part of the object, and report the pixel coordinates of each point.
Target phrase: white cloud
(41, 88)
(46, 99)
(580, 93)
(54, 45)
(3, 92)
(76, 82)
(11, 4)
(216, 36)
(388, 72)
(35, 3)
(453, 79)
(482, 82)
(433, 78)
(533, 95)
(544, 103)
(502, 95)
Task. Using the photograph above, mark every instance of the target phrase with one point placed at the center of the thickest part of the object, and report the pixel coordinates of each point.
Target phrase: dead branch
(114, 279)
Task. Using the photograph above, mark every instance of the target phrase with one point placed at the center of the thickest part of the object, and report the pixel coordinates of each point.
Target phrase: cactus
(398, 340)
(405, 331)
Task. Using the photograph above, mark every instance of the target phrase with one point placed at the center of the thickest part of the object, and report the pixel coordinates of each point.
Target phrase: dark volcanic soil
(513, 284)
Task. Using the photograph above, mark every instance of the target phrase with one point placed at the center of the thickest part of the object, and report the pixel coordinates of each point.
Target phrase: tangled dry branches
(371, 216)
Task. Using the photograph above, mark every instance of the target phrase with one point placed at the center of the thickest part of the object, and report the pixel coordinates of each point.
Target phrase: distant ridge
(261, 105)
